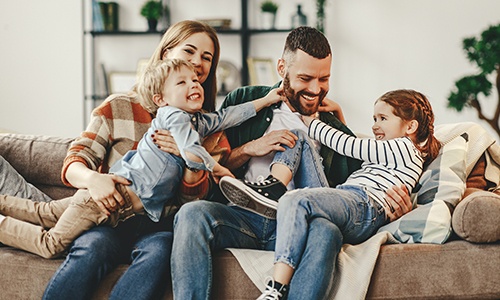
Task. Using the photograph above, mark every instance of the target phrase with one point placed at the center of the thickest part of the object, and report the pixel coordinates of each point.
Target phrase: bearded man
(203, 227)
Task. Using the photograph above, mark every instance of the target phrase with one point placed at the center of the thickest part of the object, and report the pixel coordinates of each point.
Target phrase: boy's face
(386, 125)
(183, 90)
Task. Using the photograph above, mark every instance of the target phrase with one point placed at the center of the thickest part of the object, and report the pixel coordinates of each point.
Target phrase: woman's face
(198, 49)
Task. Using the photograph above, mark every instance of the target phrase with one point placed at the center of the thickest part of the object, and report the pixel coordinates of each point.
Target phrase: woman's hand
(399, 199)
(331, 106)
(165, 142)
(103, 191)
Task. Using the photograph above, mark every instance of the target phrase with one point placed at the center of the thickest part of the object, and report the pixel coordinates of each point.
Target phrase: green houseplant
(268, 9)
(152, 10)
(484, 52)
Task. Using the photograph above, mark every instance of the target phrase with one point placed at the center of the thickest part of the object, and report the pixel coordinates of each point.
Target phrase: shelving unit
(92, 97)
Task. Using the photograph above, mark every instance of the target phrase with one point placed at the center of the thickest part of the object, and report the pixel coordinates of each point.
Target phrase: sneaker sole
(240, 194)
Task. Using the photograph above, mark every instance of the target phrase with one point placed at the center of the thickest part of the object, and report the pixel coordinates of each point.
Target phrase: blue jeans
(352, 216)
(304, 161)
(98, 251)
(13, 184)
(202, 228)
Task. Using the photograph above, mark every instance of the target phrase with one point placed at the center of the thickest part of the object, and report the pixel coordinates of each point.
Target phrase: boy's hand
(274, 96)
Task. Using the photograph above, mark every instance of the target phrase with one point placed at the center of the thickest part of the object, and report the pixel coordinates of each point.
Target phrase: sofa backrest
(39, 160)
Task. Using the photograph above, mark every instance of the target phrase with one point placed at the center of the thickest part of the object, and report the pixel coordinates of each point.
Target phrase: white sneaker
(274, 291)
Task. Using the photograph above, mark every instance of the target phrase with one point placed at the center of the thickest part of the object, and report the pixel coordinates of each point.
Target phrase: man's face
(306, 81)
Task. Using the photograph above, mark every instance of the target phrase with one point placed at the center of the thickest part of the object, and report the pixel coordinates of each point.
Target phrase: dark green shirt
(337, 167)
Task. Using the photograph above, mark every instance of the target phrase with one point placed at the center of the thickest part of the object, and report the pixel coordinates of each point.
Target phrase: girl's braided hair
(412, 105)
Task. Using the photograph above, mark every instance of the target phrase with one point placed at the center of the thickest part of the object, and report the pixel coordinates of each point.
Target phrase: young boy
(173, 86)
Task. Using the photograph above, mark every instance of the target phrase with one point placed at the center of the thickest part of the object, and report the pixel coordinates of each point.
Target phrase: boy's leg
(45, 214)
(81, 215)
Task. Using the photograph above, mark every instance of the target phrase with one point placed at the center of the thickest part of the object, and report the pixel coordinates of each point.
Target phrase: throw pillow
(439, 189)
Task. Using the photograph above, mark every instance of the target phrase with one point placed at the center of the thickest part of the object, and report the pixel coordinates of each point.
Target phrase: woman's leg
(91, 256)
(13, 184)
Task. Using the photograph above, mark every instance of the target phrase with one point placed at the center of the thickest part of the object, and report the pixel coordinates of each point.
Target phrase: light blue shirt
(154, 174)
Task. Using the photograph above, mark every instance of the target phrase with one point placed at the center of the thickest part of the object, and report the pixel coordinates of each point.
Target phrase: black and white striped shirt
(385, 163)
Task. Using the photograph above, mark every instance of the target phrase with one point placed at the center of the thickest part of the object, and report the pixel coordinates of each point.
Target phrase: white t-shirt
(283, 118)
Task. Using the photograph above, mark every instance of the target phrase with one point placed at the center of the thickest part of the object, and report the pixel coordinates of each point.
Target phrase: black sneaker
(243, 193)
(274, 291)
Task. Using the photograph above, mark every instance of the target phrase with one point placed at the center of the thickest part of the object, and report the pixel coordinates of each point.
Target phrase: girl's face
(198, 49)
(183, 90)
(386, 125)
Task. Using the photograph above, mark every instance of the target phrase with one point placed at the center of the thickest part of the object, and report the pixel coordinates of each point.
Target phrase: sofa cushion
(477, 217)
(439, 189)
(39, 160)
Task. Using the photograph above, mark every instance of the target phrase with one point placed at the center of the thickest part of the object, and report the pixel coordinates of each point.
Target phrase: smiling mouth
(379, 136)
(308, 97)
(194, 97)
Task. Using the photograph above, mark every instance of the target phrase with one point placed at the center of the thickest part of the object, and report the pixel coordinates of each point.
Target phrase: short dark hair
(309, 40)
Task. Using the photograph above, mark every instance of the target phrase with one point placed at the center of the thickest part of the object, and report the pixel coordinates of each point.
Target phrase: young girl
(404, 142)
(154, 175)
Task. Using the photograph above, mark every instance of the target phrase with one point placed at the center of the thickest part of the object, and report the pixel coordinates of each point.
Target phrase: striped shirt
(385, 163)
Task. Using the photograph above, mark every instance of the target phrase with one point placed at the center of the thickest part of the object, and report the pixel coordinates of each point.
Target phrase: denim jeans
(202, 228)
(13, 184)
(304, 161)
(353, 218)
(97, 252)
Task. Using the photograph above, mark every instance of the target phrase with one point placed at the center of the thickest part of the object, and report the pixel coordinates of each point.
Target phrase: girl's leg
(303, 163)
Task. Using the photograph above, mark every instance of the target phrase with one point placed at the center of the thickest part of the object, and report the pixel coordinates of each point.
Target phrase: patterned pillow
(439, 189)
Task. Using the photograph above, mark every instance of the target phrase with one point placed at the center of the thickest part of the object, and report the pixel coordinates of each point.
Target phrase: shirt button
(193, 119)
(268, 119)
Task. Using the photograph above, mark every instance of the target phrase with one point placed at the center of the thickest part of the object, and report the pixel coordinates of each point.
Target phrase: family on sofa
(203, 227)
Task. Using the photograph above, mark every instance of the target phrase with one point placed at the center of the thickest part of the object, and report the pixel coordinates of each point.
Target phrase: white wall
(378, 45)
(41, 67)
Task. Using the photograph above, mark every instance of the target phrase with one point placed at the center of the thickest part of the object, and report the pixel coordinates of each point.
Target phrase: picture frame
(262, 71)
(121, 82)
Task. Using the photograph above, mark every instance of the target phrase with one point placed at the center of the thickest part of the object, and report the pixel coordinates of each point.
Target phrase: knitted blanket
(355, 264)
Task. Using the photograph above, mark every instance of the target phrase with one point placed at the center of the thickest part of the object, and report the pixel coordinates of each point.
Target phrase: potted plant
(484, 52)
(152, 10)
(268, 9)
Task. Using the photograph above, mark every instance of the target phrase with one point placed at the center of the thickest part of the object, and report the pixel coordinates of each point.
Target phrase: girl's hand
(400, 201)
(331, 106)
(103, 191)
(308, 119)
(165, 142)
(220, 171)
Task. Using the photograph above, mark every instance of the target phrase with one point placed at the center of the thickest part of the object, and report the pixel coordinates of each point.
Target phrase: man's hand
(103, 192)
(399, 199)
(165, 141)
(272, 141)
(220, 171)
(331, 106)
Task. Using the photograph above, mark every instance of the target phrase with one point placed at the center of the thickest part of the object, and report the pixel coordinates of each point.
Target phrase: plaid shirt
(116, 126)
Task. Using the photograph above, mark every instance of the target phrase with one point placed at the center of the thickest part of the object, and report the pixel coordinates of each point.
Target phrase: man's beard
(294, 98)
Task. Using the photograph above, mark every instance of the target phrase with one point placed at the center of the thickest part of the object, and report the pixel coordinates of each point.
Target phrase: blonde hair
(179, 32)
(412, 105)
(152, 80)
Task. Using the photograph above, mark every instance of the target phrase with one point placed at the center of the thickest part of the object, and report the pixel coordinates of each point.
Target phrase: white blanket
(355, 266)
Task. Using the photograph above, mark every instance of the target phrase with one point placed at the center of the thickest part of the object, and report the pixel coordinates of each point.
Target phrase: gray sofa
(457, 269)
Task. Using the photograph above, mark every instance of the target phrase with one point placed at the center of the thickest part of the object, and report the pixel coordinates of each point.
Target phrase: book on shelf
(97, 20)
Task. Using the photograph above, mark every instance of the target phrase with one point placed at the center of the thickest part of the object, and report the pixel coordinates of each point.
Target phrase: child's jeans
(67, 219)
(304, 161)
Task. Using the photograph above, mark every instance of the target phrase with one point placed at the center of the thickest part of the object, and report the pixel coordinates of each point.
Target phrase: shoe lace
(271, 293)
(263, 182)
